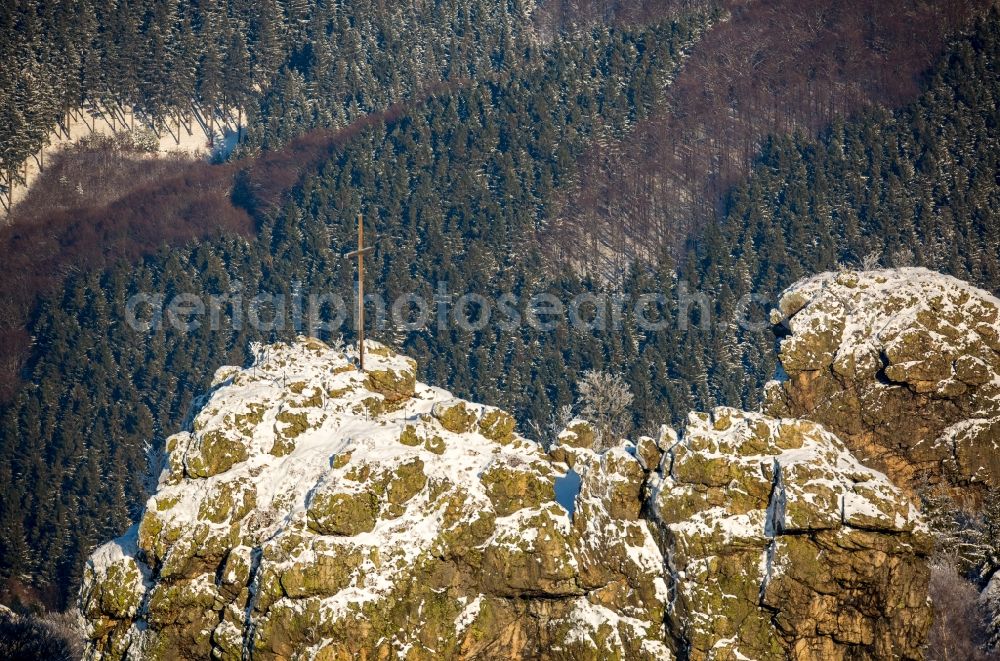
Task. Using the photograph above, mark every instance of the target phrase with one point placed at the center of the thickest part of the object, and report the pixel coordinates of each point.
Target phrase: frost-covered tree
(605, 399)
(990, 536)
(557, 422)
(960, 533)
(957, 633)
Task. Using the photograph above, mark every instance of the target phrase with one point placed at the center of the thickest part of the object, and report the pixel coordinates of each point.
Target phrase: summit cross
(360, 254)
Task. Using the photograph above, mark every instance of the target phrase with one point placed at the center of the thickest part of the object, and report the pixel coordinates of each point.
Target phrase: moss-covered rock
(648, 453)
(214, 452)
(342, 513)
(393, 383)
(497, 425)
(789, 523)
(115, 596)
(578, 434)
(237, 570)
(228, 501)
(282, 446)
(406, 481)
(435, 444)
(455, 416)
(906, 369)
(511, 488)
(310, 397)
(409, 436)
(247, 421)
(540, 563)
(427, 527)
(327, 571)
(290, 425)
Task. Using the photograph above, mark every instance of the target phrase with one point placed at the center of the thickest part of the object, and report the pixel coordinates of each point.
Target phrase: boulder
(315, 510)
(423, 526)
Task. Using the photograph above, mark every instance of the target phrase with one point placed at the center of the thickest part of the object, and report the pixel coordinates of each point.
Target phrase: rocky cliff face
(782, 545)
(904, 366)
(312, 511)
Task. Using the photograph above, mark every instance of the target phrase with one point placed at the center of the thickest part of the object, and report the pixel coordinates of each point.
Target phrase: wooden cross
(360, 254)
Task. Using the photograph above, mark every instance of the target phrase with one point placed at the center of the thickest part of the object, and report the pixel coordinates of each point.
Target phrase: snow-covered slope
(196, 136)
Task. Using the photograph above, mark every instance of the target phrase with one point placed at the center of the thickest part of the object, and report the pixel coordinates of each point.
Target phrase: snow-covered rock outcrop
(312, 511)
(782, 545)
(903, 365)
(315, 511)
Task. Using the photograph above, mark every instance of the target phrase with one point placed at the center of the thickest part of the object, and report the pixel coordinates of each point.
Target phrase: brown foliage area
(772, 68)
(263, 184)
(273, 174)
(101, 202)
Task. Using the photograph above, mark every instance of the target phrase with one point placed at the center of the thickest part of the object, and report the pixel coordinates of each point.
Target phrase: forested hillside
(771, 68)
(291, 65)
(915, 187)
(464, 186)
(458, 185)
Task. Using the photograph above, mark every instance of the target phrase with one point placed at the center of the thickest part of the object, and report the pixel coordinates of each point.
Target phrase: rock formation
(313, 511)
(903, 365)
(782, 545)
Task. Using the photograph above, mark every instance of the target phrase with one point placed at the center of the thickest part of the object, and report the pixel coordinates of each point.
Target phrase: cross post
(360, 254)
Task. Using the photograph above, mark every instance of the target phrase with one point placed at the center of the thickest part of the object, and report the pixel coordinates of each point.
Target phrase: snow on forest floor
(191, 136)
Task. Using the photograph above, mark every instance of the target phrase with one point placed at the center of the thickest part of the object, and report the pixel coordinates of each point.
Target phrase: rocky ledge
(312, 511)
(904, 366)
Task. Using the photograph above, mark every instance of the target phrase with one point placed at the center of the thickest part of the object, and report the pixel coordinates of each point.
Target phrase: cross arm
(359, 253)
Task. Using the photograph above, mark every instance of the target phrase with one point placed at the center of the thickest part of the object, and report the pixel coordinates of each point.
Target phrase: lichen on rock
(398, 521)
(783, 545)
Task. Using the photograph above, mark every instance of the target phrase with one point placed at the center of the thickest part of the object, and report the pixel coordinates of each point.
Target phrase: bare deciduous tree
(958, 630)
(604, 399)
(989, 604)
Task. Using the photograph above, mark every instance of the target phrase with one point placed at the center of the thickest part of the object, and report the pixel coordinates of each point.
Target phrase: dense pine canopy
(290, 65)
